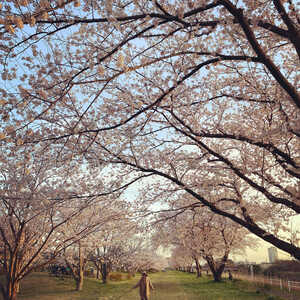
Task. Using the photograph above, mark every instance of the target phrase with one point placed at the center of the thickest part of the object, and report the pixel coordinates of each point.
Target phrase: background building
(273, 254)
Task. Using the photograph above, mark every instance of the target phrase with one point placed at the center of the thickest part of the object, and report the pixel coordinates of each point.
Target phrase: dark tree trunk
(10, 286)
(104, 272)
(98, 274)
(79, 280)
(216, 269)
(79, 283)
(97, 265)
(77, 271)
(198, 267)
(11, 290)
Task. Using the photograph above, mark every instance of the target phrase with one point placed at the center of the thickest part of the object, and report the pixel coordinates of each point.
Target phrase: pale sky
(261, 253)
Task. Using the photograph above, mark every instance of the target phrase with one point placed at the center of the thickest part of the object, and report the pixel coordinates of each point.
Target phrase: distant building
(273, 254)
(265, 265)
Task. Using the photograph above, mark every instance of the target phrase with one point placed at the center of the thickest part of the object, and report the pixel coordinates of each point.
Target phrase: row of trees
(116, 246)
(46, 214)
(197, 98)
(198, 236)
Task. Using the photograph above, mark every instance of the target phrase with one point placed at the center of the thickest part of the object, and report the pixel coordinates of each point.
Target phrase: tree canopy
(202, 94)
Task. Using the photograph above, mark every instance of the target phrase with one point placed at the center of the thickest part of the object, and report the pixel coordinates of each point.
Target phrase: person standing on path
(145, 285)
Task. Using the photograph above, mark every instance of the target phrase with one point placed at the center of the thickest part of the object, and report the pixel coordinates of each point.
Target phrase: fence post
(289, 286)
(251, 272)
(280, 284)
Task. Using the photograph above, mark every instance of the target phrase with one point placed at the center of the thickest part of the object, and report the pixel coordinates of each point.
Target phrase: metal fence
(284, 286)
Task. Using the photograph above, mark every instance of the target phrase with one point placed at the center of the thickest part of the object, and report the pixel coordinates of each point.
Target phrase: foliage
(286, 265)
(38, 206)
(257, 269)
(191, 97)
(122, 246)
(286, 269)
(116, 276)
(200, 234)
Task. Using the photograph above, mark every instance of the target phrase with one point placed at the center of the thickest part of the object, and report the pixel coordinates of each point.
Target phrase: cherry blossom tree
(202, 235)
(168, 238)
(214, 238)
(39, 202)
(138, 255)
(123, 246)
(94, 221)
(200, 95)
(76, 260)
(108, 249)
(181, 259)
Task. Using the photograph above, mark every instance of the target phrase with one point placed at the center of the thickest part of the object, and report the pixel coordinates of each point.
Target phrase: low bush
(115, 276)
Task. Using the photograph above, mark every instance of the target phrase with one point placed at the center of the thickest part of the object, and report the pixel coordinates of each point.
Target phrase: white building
(273, 254)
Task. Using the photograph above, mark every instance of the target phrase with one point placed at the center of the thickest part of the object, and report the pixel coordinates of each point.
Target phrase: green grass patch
(168, 285)
(206, 289)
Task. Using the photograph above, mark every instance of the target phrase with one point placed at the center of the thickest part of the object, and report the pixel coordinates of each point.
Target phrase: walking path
(166, 287)
(183, 286)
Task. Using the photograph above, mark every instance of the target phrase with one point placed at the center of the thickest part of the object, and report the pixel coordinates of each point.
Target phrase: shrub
(115, 276)
(267, 287)
(283, 267)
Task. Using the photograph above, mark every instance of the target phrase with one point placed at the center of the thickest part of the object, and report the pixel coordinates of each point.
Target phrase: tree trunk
(191, 269)
(18, 287)
(217, 269)
(11, 291)
(219, 272)
(230, 275)
(98, 274)
(216, 272)
(79, 281)
(217, 275)
(11, 288)
(77, 271)
(98, 267)
(198, 267)
(104, 272)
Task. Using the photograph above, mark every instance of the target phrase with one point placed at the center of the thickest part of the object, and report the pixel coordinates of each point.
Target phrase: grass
(168, 285)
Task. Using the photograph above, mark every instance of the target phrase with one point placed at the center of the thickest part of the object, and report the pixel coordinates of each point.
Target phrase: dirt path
(167, 287)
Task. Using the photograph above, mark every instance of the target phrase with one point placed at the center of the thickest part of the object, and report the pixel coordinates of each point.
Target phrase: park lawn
(168, 285)
(189, 287)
